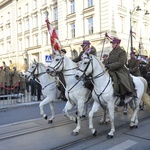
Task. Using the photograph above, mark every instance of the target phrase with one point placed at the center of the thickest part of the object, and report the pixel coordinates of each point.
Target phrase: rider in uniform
(91, 50)
(123, 84)
(85, 47)
(133, 65)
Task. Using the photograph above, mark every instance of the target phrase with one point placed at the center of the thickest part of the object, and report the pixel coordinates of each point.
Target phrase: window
(1, 20)
(19, 27)
(34, 4)
(121, 2)
(90, 3)
(72, 30)
(27, 24)
(45, 38)
(72, 7)
(55, 13)
(8, 16)
(90, 25)
(44, 2)
(121, 24)
(19, 11)
(35, 21)
(20, 44)
(146, 30)
(134, 27)
(26, 8)
(8, 46)
(8, 30)
(1, 33)
(35, 40)
(2, 48)
(27, 42)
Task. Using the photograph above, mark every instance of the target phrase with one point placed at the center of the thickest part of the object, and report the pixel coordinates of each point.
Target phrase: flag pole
(102, 48)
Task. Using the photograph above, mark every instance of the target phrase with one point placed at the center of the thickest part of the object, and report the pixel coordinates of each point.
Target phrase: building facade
(24, 36)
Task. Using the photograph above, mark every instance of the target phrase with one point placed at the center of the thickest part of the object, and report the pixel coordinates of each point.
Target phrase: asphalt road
(27, 112)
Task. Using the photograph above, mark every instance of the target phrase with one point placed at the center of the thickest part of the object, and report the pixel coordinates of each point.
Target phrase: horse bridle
(97, 76)
(84, 71)
(32, 73)
(60, 62)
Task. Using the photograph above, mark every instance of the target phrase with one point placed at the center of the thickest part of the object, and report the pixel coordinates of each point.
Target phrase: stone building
(24, 36)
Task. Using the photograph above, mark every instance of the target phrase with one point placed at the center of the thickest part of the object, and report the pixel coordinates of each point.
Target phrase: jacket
(116, 60)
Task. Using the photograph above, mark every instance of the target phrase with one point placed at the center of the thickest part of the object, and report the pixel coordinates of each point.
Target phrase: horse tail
(145, 97)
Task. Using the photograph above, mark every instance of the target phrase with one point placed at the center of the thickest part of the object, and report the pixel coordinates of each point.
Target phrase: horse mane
(100, 61)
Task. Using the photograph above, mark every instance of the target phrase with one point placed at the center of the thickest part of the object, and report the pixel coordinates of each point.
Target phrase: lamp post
(137, 8)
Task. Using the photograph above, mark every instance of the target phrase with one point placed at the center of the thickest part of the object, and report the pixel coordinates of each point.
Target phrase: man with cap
(85, 47)
(133, 65)
(123, 84)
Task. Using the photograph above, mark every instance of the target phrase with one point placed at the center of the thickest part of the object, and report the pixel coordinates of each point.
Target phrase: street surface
(24, 129)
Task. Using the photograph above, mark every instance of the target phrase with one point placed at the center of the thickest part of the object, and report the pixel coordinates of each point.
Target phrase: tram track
(39, 127)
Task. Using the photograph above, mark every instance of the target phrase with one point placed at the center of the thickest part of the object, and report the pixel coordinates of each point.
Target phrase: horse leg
(51, 104)
(67, 107)
(111, 115)
(105, 118)
(94, 109)
(41, 105)
(80, 114)
(125, 111)
(134, 118)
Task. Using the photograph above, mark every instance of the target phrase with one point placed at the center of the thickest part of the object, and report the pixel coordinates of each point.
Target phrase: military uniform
(15, 79)
(77, 59)
(120, 75)
(133, 65)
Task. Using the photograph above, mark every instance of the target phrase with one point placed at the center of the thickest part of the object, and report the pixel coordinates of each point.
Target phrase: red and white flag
(55, 43)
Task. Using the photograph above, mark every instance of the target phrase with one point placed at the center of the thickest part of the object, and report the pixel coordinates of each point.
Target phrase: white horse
(49, 87)
(103, 92)
(75, 92)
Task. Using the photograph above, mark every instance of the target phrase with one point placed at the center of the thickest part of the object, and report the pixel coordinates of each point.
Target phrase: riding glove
(107, 66)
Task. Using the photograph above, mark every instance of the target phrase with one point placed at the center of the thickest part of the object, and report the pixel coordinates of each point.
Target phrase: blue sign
(48, 58)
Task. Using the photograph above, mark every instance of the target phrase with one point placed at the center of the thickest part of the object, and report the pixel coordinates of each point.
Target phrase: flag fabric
(107, 36)
(55, 43)
(133, 34)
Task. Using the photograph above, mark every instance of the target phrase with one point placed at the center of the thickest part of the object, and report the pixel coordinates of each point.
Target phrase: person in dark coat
(62, 83)
(91, 50)
(105, 59)
(123, 84)
(85, 47)
(134, 65)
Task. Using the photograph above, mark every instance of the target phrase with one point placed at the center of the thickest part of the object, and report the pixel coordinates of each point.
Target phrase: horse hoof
(125, 112)
(45, 117)
(134, 126)
(74, 133)
(50, 121)
(110, 136)
(95, 133)
(100, 123)
(83, 116)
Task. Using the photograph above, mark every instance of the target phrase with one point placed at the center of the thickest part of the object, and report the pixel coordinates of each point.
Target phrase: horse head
(31, 70)
(85, 67)
(56, 65)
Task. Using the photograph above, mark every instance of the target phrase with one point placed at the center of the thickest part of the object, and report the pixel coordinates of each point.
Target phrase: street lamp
(137, 8)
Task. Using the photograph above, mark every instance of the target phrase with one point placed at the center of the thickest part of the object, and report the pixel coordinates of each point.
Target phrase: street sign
(48, 58)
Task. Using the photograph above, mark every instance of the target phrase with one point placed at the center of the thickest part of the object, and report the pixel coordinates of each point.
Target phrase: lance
(106, 37)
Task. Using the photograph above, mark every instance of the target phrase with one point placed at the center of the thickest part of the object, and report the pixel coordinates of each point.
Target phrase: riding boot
(116, 89)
